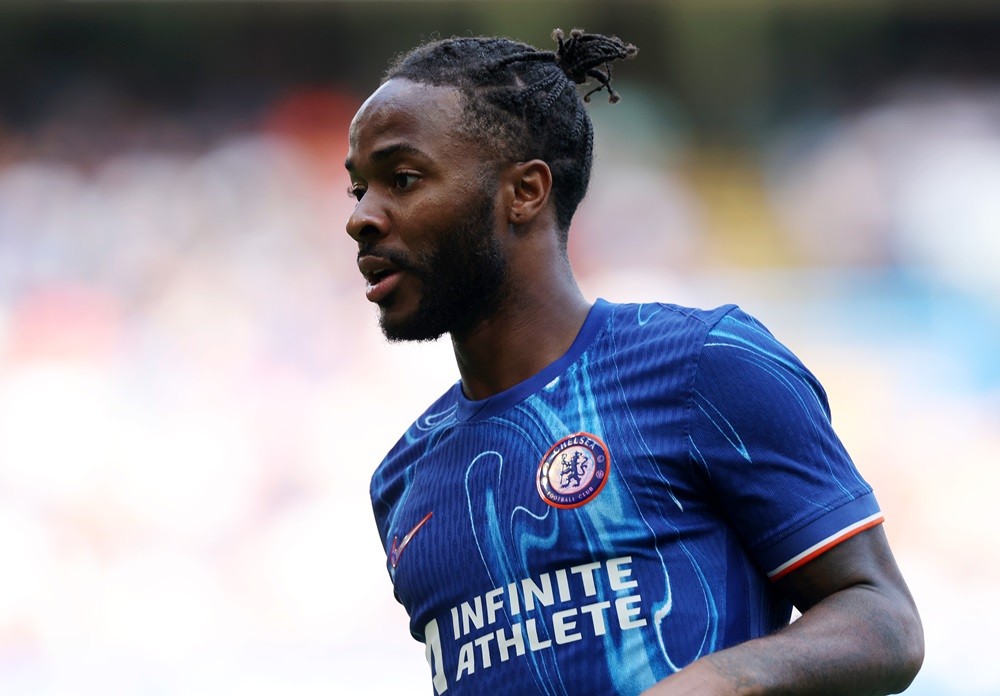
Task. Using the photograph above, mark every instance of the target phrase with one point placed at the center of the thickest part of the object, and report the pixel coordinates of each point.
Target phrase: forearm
(853, 642)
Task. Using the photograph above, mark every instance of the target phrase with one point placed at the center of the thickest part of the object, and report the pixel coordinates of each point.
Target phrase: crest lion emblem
(573, 471)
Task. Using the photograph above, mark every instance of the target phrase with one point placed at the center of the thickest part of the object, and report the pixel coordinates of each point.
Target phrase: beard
(463, 280)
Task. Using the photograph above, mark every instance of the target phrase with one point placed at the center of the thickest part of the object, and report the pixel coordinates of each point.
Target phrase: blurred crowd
(193, 391)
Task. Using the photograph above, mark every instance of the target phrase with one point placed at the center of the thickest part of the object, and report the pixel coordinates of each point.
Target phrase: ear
(529, 185)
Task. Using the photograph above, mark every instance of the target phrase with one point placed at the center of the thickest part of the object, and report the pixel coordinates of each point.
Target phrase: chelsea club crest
(573, 471)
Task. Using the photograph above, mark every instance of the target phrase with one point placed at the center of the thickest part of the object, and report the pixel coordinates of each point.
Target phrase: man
(614, 499)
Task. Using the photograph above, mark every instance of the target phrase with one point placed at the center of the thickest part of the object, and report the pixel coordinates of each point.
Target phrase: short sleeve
(761, 438)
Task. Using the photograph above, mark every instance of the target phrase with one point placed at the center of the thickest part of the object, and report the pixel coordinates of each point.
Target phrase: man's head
(466, 140)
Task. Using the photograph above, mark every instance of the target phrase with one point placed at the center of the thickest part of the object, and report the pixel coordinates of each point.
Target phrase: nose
(368, 219)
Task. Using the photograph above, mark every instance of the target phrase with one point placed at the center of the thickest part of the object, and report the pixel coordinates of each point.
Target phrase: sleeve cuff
(821, 535)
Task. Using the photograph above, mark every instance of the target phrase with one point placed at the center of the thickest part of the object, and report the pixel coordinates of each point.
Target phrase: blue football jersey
(620, 514)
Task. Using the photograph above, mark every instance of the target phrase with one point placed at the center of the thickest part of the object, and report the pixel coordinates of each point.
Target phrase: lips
(382, 275)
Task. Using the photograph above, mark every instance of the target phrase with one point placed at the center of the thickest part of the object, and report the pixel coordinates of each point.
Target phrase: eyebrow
(389, 151)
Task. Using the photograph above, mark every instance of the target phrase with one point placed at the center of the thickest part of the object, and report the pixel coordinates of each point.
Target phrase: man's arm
(859, 633)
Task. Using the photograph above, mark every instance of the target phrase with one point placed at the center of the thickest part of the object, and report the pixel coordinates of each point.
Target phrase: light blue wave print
(617, 516)
(665, 605)
(722, 424)
(645, 312)
(433, 421)
(493, 553)
(394, 511)
(530, 535)
(631, 416)
(498, 558)
(776, 361)
(434, 424)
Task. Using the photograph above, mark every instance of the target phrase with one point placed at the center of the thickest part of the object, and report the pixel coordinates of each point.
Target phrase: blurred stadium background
(193, 390)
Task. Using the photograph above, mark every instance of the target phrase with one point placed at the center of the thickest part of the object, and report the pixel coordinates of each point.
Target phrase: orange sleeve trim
(825, 545)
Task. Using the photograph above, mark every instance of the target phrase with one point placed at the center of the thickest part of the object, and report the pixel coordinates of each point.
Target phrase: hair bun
(580, 55)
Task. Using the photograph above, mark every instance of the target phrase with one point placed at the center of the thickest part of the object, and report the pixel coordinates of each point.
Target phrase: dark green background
(732, 70)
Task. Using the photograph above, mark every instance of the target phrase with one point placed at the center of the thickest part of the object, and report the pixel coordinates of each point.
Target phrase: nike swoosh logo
(397, 551)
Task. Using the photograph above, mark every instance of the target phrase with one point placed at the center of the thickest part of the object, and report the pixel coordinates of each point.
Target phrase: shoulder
(666, 331)
(390, 478)
(652, 350)
(437, 419)
(657, 316)
(740, 352)
(439, 416)
(652, 321)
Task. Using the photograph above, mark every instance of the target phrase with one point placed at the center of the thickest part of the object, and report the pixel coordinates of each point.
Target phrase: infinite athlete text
(600, 595)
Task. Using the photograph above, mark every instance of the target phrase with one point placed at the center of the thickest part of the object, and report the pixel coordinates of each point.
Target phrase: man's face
(425, 221)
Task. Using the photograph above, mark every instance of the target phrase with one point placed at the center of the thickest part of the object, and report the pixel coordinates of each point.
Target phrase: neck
(535, 327)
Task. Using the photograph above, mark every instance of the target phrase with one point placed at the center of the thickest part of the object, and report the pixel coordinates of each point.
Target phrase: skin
(542, 308)
(859, 632)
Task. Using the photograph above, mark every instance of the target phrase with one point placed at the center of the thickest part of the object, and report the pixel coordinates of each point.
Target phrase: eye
(356, 191)
(404, 180)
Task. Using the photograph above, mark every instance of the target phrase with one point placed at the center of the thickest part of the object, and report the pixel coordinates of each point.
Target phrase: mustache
(393, 256)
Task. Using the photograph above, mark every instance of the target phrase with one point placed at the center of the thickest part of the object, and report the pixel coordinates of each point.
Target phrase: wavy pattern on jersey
(483, 476)
(603, 525)
(429, 428)
(708, 480)
(527, 536)
(644, 313)
(762, 352)
(778, 426)
(543, 418)
(753, 345)
(432, 421)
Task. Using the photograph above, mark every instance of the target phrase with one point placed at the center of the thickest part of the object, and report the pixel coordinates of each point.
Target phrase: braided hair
(520, 102)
